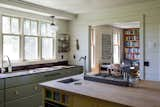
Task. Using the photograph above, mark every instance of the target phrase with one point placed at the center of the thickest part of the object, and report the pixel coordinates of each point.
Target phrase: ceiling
(127, 25)
(84, 6)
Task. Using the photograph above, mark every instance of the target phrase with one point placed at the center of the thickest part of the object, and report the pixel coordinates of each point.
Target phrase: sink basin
(108, 80)
(67, 81)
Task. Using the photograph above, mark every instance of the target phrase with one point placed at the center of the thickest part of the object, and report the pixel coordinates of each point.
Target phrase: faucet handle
(9, 68)
(3, 70)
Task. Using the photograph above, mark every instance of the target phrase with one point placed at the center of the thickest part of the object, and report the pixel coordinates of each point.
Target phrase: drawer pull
(35, 88)
(16, 92)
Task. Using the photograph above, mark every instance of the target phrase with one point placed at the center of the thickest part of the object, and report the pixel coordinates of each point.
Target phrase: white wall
(79, 29)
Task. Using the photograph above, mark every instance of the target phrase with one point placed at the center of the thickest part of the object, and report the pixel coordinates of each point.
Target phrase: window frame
(117, 44)
(11, 34)
(22, 35)
(30, 35)
(47, 36)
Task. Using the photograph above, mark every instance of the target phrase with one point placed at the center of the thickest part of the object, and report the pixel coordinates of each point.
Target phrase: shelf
(133, 59)
(131, 46)
(130, 35)
(132, 52)
(131, 40)
(51, 100)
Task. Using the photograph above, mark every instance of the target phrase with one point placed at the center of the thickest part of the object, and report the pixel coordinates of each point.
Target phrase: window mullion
(22, 39)
(1, 42)
(39, 42)
(10, 24)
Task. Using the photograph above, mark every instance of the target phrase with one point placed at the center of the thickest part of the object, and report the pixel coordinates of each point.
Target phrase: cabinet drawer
(32, 101)
(1, 83)
(74, 71)
(22, 91)
(52, 75)
(1, 105)
(1, 97)
(21, 80)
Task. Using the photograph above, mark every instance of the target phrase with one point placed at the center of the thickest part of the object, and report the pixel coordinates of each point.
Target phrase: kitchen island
(76, 92)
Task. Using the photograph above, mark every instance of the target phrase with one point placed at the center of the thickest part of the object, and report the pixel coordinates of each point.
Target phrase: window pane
(31, 48)
(11, 47)
(6, 24)
(116, 55)
(15, 25)
(34, 28)
(49, 31)
(43, 29)
(47, 48)
(27, 27)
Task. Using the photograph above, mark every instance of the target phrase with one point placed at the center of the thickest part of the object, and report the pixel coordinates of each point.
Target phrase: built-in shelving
(131, 45)
(54, 98)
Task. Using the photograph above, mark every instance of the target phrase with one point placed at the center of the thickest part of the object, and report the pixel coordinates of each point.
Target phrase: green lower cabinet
(32, 101)
(24, 91)
(21, 92)
(73, 71)
(52, 75)
(1, 96)
(1, 105)
(1, 84)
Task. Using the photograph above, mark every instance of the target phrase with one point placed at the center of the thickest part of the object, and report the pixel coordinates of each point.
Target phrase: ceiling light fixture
(53, 25)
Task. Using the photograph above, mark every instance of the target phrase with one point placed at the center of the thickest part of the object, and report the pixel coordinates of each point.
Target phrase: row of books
(127, 38)
(131, 44)
(132, 32)
(132, 50)
(135, 63)
(132, 56)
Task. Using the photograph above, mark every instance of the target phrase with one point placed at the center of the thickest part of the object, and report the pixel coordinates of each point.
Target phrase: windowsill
(25, 63)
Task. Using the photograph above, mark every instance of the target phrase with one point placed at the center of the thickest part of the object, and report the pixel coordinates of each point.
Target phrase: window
(48, 39)
(11, 37)
(31, 48)
(116, 47)
(47, 47)
(30, 40)
(11, 47)
(33, 41)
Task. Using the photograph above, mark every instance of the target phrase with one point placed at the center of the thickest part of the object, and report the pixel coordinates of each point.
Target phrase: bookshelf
(131, 46)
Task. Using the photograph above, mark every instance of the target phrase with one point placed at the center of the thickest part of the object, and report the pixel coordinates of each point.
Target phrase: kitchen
(44, 41)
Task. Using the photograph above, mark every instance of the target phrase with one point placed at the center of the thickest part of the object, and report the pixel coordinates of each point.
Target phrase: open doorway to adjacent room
(115, 44)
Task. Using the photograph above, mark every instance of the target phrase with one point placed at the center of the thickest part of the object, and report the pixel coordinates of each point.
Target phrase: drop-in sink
(69, 80)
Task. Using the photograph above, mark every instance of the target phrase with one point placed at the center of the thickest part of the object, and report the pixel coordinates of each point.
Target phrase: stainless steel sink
(69, 80)
(108, 80)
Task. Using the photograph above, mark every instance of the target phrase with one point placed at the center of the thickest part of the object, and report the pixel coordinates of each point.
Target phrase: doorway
(117, 43)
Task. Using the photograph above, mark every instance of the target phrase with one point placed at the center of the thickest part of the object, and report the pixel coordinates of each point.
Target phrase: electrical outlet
(146, 63)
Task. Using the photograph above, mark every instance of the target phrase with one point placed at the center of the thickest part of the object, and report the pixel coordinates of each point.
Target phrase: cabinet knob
(16, 92)
(35, 88)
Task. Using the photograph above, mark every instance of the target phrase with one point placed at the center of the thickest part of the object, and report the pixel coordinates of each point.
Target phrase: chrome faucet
(9, 65)
(84, 66)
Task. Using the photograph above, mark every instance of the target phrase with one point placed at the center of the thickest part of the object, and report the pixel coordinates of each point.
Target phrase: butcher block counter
(83, 93)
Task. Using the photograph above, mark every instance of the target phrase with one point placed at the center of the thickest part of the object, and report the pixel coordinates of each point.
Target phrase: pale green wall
(79, 30)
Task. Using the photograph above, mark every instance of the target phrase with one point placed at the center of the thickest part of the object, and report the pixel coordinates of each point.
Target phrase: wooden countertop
(147, 94)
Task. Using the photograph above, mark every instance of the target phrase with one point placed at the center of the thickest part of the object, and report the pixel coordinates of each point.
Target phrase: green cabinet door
(21, 92)
(1, 84)
(22, 80)
(1, 105)
(32, 101)
(1, 97)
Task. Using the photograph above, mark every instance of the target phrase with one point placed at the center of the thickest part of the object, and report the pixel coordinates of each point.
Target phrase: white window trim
(22, 60)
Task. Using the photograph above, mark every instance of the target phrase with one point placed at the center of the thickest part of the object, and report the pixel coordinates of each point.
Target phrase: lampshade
(53, 25)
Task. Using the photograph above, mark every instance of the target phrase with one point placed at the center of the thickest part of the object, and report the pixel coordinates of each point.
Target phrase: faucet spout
(9, 65)
(84, 66)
